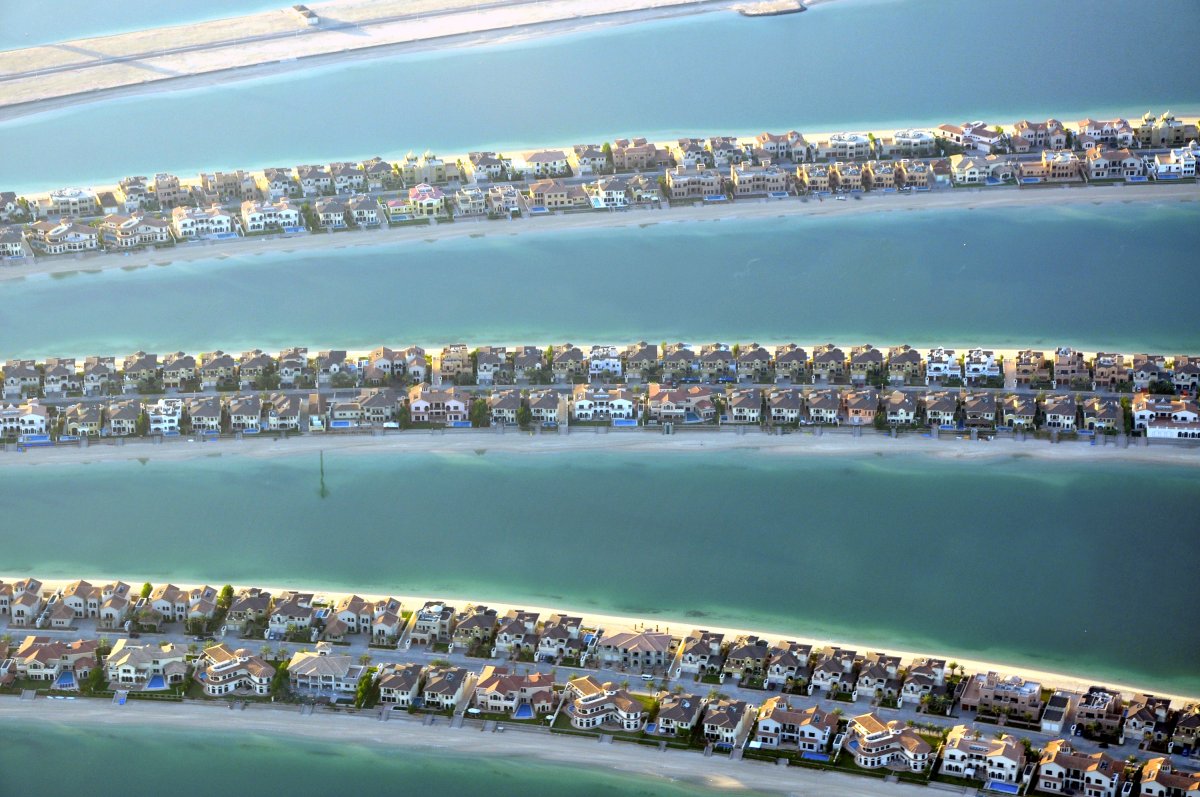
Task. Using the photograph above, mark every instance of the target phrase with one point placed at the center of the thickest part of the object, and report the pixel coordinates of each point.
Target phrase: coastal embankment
(344, 728)
(37, 79)
(959, 198)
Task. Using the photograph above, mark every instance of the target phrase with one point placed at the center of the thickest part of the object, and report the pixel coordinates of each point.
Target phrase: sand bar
(36, 79)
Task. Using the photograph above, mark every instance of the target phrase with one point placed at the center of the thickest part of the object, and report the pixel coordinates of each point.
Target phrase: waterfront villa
(42, 658)
(678, 714)
(874, 744)
(264, 216)
(787, 664)
(516, 632)
(1063, 770)
(641, 650)
(200, 222)
(925, 676)
(501, 690)
(56, 238)
(726, 722)
(596, 705)
(433, 623)
(746, 658)
(701, 652)
(990, 693)
(323, 674)
(399, 684)
(223, 671)
(783, 726)
(137, 229)
(1160, 778)
(969, 754)
(446, 687)
(130, 665)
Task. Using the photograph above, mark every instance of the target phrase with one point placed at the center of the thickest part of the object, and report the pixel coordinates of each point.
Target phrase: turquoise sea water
(48, 21)
(995, 277)
(848, 63)
(1022, 561)
(34, 760)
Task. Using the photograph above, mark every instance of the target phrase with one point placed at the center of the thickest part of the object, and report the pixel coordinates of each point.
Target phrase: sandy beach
(467, 442)
(401, 733)
(968, 199)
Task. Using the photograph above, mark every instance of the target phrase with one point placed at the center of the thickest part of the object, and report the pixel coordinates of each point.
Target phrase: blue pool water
(1001, 787)
(523, 712)
(156, 682)
(65, 680)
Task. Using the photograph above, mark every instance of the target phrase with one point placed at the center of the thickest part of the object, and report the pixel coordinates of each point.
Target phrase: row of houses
(778, 724)
(1063, 368)
(1152, 416)
(59, 377)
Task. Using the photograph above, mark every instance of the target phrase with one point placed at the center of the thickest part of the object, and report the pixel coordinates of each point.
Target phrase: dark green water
(1021, 561)
(51, 759)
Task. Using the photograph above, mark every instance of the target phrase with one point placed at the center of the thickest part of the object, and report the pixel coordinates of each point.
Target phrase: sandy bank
(598, 439)
(37, 79)
(963, 199)
(342, 728)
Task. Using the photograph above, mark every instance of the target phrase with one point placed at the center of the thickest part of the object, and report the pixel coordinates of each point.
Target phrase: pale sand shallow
(469, 444)
(342, 728)
(968, 199)
(228, 51)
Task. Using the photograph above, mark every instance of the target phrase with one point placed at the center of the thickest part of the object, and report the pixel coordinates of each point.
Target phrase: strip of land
(343, 728)
(960, 199)
(672, 625)
(37, 79)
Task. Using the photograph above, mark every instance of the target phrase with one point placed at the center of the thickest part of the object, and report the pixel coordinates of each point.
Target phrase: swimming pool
(65, 680)
(523, 712)
(156, 682)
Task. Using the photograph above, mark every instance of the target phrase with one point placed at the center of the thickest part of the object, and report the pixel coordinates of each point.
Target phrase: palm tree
(265, 652)
(364, 659)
